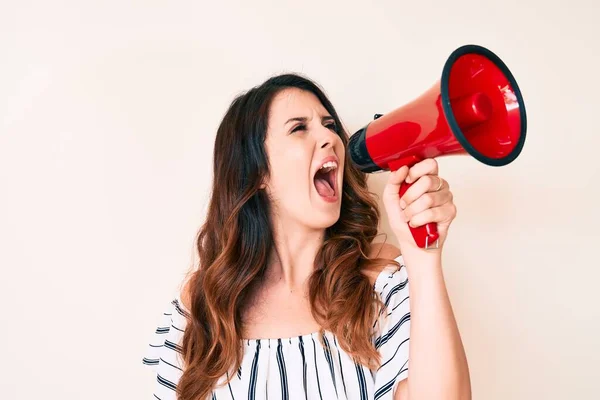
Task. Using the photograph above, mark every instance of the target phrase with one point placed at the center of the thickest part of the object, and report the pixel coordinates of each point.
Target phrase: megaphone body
(476, 109)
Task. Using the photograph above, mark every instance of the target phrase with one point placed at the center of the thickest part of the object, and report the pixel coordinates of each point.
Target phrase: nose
(325, 138)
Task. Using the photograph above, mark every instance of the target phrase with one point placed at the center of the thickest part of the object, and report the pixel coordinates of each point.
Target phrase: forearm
(438, 365)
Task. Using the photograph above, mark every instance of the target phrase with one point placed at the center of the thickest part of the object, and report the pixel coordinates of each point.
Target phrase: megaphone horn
(476, 109)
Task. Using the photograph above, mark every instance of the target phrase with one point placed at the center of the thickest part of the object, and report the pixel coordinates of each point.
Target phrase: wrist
(409, 244)
(415, 256)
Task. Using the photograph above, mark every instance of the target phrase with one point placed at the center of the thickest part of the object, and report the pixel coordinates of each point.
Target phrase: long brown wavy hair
(236, 239)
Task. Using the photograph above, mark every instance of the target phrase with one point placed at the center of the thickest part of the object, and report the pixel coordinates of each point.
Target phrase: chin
(328, 220)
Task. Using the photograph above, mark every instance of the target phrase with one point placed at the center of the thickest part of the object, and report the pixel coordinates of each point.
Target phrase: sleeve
(392, 330)
(163, 354)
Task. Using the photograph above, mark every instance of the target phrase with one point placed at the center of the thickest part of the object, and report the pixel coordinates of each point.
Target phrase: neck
(292, 258)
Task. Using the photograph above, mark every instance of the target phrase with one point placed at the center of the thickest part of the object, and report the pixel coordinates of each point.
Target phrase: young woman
(291, 298)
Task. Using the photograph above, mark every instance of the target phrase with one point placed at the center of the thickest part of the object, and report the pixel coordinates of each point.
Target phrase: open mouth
(325, 181)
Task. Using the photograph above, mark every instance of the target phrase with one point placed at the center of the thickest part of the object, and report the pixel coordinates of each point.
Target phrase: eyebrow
(304, 119)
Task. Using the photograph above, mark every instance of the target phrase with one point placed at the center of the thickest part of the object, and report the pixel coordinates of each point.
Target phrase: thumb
(394, 181)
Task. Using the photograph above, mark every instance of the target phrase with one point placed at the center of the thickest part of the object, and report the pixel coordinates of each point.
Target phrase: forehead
(293, 102)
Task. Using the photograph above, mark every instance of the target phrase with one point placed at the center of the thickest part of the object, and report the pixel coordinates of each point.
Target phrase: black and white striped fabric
(299, 367)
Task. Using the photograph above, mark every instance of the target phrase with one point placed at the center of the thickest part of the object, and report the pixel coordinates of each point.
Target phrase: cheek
(290, 170)
(340, 150)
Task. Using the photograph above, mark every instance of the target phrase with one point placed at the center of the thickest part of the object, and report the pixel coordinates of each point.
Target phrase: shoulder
(376, 250)
(391, 334)
(185, 295)
(163, 354)
(380, 250)
(384, 250)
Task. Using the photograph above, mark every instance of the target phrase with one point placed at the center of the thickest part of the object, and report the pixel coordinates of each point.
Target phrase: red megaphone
(476, 108)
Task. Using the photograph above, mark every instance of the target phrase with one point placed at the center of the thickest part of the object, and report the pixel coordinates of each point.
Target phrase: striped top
(298, 367)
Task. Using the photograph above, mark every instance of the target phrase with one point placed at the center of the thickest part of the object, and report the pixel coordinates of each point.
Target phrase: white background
(108, 112)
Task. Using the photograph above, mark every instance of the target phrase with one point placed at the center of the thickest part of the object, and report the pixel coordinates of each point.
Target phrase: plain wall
(108, 112)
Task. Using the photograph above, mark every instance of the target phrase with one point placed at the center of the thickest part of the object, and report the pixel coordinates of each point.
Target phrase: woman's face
(301, 136)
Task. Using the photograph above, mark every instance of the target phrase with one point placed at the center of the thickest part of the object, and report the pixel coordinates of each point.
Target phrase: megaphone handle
(425, 235)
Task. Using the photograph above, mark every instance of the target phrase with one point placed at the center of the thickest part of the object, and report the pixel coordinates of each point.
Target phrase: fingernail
(402, 204)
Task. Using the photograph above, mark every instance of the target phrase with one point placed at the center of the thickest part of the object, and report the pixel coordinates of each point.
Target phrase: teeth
(328, 166)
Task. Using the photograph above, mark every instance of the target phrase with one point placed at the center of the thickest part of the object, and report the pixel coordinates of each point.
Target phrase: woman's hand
(428, 200)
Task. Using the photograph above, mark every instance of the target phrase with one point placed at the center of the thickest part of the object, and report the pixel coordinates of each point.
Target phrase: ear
(263, 183)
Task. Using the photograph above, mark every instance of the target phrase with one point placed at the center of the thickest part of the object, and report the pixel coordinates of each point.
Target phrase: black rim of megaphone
(470, 49)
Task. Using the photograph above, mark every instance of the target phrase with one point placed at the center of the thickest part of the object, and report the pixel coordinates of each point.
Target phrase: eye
(332, 126)
(299, 127)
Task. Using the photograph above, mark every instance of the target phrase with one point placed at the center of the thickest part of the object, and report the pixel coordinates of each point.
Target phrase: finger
(429, 166)
(428, 200)
(424, 184)
(436, 214)
(395, 180)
